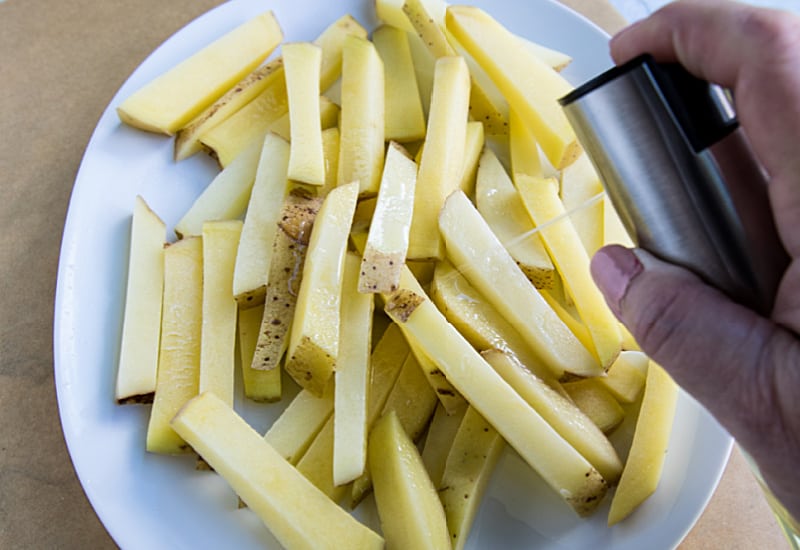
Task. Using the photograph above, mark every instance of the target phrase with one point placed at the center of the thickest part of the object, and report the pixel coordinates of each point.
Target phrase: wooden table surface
(61, 64)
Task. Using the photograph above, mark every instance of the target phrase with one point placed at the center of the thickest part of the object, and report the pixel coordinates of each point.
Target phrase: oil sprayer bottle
(679, 172)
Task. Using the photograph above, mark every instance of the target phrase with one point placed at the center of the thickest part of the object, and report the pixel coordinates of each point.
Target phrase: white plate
(149, 501)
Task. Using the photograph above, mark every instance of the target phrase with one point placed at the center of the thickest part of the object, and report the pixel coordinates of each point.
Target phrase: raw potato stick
(179, 357)
(218, 337)
(353, 371)
(294, 511)
(141, 327)
(172, 100)
(285, 273)
(559, 464)
(306, 161)
(387, 243)
(260, 223)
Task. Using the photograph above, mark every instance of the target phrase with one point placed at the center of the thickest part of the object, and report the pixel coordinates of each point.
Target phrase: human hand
(744, 368)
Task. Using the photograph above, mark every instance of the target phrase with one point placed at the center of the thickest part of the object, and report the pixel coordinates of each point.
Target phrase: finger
(756, 52)
(696, 333)
(740, 366)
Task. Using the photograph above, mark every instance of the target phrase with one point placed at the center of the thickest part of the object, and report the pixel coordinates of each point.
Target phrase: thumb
(740, 366)
(714, 348)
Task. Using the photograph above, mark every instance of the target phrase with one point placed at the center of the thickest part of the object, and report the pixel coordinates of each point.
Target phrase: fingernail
(613, 268)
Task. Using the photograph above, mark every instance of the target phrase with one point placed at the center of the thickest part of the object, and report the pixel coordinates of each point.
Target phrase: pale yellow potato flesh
(314, 336)
(567, 419)
(474, 453)
(439, 439)
(353, 371)
(405, 119)
(491, 269)
(303, 61)
(141, 325)
(646, 458)
(226, 197)
(297, 426)
(626, 376)
(472, 155)
(572, 261)
(531, 87)
(390, 224)
(361, 124)
(500, 204)
(408, 505)
(179, 356)
(581, 193)
(559, 464)
(187, 139)
(442, 159)
(263, 386)
(299, 515)
(285, 273)
(219, 316)
(524, 150)
(596, 402)
(260, 223)
(173, 99)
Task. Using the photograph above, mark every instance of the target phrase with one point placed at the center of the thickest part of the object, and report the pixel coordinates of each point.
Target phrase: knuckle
(775, 31)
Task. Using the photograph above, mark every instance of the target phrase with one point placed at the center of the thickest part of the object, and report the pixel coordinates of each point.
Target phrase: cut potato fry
(614, 231)
(411, 398)
(351, 423)
(471, 244)
(482, 104)
(292, 509)
(314, 337)
(260, 223)
(172, 100)
(470, 463)
(531, 87)
(387, 243)
(442, 158)
(328, 118)
(391, 12)
(447, 394)
(332, 42)
(297, 426)
(570, 258)
(285, 273)
(187, 140)
(141, 326)
(410, 511)
(596, 402)
(472, 155)
(330, 150)
(523, 148)
(361, 126)
(228, 139)
(579, 185)
(218, 335)
(439, 439)
(479, 322)
(387, 360)
(179, 356)
(404, 118)
(424, 68)
(559, 464)
(499, 203)
(626, 376)
(556, 59)
(316, 464)
(263, 386)
(226, 197)
(303, 61)
(646, 459)
(567, 419)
